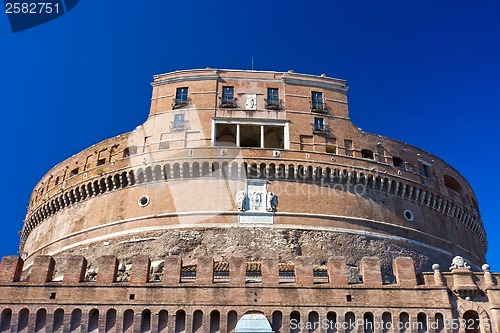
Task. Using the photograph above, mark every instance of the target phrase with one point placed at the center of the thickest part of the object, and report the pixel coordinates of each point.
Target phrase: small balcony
(318, 108)
(228, 104)
(180, 103)
(273, 104)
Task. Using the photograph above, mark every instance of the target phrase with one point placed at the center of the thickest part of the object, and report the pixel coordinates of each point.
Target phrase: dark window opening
(368, 154)
(319, 124)
(228, 100)
(272, 101)
(181, 97)
(422, 323)
(131, 297)
(398, 162)
(425, 170)
(73, 172)
(452, 183)
(56, 181)
(273, 136)
(52, 296)
(317, 101)
(332, 149)
(349, 298)
(101, 161)
(225, 135)
(250, 136)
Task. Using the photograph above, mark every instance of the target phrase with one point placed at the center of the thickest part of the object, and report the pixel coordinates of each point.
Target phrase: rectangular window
(181, 96)
(179, 122)
(425, 170)
(228, 100)
(348, 147)
(73, 172)
(317, 101)
(227, 95)
(319, 124)
(101, 158)
(273, 100)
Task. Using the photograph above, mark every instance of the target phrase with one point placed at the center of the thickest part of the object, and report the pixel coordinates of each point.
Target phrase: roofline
(322, 76)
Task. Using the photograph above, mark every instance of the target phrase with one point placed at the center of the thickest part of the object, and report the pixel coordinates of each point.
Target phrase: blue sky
(424, 72)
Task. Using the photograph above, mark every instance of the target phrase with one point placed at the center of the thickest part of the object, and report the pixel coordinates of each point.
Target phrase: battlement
(236, 271)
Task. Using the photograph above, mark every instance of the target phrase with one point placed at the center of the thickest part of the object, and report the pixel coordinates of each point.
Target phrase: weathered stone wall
(219, 293)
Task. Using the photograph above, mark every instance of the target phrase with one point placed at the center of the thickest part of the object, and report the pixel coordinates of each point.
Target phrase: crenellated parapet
(170, 293)
(237, 271)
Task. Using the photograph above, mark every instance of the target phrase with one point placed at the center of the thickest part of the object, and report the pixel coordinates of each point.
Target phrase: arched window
(149, 174)
(350, 319)
(196, 170)
(110, 320)
(185, 170)
(75, 321)
(386, 322)
(146, 321)
(41, 320)
(214, 321)
(180, 321)
(177, 171)
(277, 321)
(439, 323)
(313, 321)
(93, 326)
(368, 322)
(295, 322)
(58, 322)
(162, 321)
(128, 321)
(331, 318)
(197, 321)
(471, 321)
(452, 183)
(422, 322)
(22, 321)
(404, 322)
(232, 320)
(5, 320)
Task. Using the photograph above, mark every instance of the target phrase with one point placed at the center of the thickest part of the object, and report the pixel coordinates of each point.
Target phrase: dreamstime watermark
(384, 326)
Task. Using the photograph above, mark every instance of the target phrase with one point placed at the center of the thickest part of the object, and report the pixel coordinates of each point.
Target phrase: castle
(249, 202)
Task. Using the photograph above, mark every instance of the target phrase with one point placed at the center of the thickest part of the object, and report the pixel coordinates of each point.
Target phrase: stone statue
(91, 273)
(255, 200)
(459, 262)
(240, 200)
(272, 202)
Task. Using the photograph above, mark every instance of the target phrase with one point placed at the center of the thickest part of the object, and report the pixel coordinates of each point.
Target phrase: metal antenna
(252, 63)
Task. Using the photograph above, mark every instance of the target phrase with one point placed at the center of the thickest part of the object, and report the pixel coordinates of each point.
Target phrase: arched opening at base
(253, 322)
